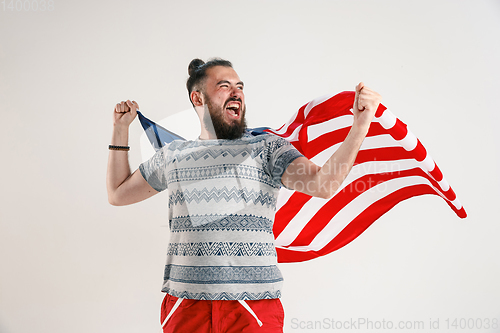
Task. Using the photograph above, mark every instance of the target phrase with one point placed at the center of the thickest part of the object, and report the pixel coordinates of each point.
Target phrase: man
(221, 273)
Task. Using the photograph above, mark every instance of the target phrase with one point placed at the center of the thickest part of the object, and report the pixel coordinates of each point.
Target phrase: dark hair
(197, 70)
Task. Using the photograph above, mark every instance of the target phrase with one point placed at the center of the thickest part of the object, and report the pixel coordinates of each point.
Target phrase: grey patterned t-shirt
(222, 201)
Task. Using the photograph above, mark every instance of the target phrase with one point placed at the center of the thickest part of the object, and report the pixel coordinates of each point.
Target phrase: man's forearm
(335, 170)
(118, 165)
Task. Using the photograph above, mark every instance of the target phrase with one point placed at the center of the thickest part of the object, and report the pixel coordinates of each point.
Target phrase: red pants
(195, 316)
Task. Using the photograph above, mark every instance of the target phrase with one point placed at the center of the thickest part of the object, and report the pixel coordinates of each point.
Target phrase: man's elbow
(324, 194)
(114, 200)
(326, 189)
(315, 188)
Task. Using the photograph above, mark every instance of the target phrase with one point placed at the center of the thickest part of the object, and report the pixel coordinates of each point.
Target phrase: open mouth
(233, 109)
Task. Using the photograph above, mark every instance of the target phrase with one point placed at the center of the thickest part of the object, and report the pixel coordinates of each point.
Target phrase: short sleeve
(280, 153)
(154, 170)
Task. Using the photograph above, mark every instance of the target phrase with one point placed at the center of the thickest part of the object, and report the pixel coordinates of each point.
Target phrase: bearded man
(221, 273)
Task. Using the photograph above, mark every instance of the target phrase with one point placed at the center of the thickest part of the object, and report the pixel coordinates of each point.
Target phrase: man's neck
(207, 135)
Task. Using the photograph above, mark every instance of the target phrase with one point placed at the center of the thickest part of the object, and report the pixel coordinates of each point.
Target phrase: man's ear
(197, 98)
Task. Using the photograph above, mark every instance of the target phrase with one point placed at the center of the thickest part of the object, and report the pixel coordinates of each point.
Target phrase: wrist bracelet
(126, 148)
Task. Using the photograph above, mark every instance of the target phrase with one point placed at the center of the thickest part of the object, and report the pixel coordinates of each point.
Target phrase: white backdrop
(70, 262)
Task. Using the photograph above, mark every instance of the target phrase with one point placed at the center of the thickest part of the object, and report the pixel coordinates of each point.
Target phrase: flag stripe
(355, 228)
(330, 209)
(299, 199)
(317, 217)
(366, 183)
(299, 202)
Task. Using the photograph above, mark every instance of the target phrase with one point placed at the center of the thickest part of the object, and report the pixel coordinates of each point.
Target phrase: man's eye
(240, 87)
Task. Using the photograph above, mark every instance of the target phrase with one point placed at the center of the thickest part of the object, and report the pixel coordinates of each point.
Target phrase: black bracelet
(111, 147)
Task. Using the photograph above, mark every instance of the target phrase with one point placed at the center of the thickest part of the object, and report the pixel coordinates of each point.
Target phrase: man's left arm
(304, 176)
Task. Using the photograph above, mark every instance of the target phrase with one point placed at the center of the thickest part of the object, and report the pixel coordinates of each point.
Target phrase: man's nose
(236, 92)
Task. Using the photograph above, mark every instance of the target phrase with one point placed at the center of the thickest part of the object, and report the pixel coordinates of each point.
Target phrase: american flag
(391, 166)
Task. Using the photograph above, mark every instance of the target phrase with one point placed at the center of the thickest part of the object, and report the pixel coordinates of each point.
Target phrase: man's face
(224, 98)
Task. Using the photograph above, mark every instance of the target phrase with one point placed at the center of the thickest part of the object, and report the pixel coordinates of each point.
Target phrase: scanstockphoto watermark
(27, 5)
(431, 324)
(361, 323)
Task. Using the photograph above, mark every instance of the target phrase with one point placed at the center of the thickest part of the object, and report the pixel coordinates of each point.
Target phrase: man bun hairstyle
(197, 70)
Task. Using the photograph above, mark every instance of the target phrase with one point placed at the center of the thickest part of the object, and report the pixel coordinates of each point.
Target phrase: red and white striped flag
(392, 165)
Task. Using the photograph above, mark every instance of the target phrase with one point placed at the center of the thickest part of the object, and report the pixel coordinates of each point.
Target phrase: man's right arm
(123, 187)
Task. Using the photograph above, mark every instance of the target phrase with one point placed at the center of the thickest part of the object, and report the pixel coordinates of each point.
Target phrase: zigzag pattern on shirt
(273, 146)
(222, 194)
(219, 222)
(216, 152)
(219, 171)
(223, 274)
(223, 296)
(217, 249)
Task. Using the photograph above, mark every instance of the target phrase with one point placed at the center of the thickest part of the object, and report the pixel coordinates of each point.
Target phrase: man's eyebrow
(227, 82)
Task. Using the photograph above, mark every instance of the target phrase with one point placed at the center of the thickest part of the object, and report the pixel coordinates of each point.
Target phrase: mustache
(233, 99)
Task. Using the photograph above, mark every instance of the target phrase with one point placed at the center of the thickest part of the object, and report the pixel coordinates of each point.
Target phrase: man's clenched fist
(125, 112)
(366, 102)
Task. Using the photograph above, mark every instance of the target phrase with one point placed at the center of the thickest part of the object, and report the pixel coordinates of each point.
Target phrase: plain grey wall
(70, 262)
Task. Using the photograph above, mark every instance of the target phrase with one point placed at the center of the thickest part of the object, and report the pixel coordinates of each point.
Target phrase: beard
(224, 130)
